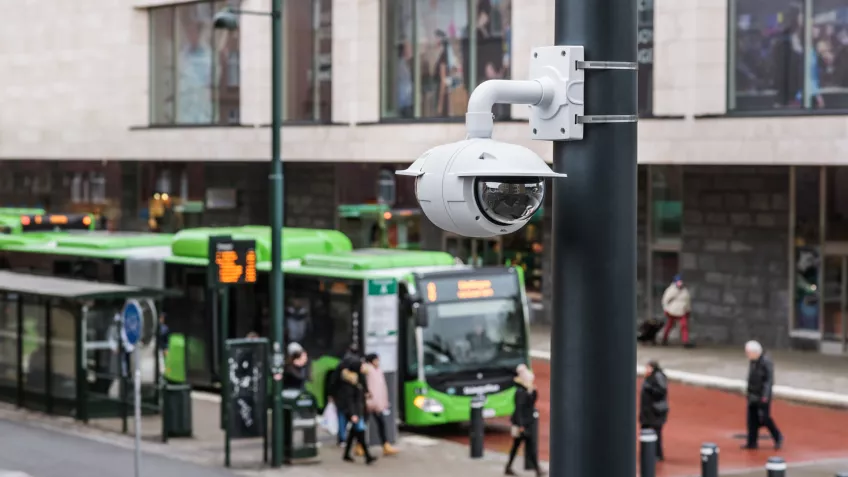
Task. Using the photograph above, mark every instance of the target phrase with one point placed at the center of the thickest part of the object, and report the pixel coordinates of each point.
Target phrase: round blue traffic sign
(132, 321)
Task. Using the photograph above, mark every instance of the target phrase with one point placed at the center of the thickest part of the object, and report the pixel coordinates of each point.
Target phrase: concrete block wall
(735, 253)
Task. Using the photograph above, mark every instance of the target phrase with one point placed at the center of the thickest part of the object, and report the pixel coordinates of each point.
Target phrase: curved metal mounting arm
(479, 120)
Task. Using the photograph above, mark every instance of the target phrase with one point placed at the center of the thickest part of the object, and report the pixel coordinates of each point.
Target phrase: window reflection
(667, 204)
(8, 344)
(807, 250)
(194, 68)
(837, 204)
(307, 70)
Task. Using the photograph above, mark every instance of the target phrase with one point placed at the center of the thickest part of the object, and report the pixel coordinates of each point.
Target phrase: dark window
(308, 54)
(646, 56)
(194, 68)
(435, 51)
(781, 59)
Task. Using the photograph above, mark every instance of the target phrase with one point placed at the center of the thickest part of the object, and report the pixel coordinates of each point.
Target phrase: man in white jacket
(677, 304)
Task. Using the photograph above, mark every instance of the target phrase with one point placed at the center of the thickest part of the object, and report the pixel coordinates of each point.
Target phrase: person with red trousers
(677, 304)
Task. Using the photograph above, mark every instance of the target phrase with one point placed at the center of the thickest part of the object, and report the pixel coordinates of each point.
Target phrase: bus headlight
(427, 404)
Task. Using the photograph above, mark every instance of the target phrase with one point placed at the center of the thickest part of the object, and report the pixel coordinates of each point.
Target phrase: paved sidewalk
(801, 376)
(419, 457)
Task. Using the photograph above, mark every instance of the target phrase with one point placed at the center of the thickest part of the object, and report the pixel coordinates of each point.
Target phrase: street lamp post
(228, 19)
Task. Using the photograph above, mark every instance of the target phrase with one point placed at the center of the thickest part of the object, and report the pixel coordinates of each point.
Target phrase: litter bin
(300, 423)
(176, 411)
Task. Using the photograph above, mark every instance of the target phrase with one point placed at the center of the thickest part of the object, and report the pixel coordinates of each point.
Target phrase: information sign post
(132, 332)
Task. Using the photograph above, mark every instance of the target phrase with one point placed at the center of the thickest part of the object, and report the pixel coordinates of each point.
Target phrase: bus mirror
(420, 314)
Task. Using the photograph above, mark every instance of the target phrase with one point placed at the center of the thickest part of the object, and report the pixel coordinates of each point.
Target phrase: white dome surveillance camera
(480, 187)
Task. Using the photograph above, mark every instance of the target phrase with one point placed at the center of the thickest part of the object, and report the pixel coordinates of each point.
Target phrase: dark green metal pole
(593, 341)
(276, 178)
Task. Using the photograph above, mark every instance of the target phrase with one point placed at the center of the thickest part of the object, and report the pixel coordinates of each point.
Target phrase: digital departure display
(469, 287)
(33, 223)
(232, 262)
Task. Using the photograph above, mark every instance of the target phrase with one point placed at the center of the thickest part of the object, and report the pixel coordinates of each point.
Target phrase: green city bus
(446, 332)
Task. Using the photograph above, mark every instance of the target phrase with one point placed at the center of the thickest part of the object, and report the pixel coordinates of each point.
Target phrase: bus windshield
(472, 335)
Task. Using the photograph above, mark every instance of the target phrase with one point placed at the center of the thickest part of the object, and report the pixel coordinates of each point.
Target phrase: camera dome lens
(508, 200)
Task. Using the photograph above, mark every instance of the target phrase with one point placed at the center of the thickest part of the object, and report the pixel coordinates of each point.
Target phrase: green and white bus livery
(445, 332)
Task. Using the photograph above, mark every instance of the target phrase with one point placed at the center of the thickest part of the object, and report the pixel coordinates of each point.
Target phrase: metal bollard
(648, 453)
(776, 467)
(709, 460)
(478, 428)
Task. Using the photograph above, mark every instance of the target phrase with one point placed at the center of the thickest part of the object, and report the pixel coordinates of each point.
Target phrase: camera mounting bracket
(562, 117)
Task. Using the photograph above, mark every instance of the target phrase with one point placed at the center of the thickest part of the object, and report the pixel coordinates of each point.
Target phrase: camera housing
(479, 187)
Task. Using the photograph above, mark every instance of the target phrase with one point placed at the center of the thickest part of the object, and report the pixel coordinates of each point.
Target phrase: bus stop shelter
(60, 346)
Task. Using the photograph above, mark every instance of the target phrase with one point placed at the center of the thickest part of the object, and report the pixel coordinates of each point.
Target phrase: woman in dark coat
(524, 420)
(653, 402)
(351, 402)
(295, 372)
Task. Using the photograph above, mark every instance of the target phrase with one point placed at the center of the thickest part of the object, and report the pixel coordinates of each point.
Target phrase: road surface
(700, 415)
(43, 453)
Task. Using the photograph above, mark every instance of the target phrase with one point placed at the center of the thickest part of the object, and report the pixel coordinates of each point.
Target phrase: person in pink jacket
(377, 400)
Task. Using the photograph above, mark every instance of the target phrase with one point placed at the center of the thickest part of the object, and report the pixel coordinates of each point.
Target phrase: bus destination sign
(469, 287)
(33, 223)
(232, 262)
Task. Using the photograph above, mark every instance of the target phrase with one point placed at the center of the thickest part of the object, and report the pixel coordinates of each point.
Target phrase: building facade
(110, 106)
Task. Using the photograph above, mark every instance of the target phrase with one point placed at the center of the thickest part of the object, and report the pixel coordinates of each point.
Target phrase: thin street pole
(277, 209)
(593, 342)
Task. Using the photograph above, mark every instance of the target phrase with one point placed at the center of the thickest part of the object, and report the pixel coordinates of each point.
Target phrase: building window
(788, 54)
(646, 57)
(807, 247)
(194, 68)
(386, 187)
(432, 56)
(665, 228)
(307, 68)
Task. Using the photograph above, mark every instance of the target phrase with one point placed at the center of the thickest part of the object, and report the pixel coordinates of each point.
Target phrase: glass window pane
(227, 80)
(162, 66)
(195, 68)
(837, 204)
(35, 351)
(493, 29)
(807, 205)
(645, 46)
(807, 263)
(834, 287)
(8, 345)
(323, 63)
(398, 87)
(829, 64)
(667, 204)
(665, 266)
(63, 352)
(769, 53)
(299, 44)
(442, 57)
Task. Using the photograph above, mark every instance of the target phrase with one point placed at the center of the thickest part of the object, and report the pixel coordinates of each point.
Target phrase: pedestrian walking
(677, 304)
(295, 373)
(760, 382)
(524, 420)
(351, 402)
(653, 403)
(350, 358)
(377, 401)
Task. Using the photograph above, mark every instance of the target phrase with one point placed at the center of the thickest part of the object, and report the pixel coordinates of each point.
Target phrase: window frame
(386, 116)
(314, 65)
(218, 120)
(806, 108)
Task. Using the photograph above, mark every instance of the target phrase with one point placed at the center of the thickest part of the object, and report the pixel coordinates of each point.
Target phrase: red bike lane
(699, 415)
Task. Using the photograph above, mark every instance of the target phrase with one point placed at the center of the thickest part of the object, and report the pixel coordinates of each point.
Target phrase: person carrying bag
(524, 420)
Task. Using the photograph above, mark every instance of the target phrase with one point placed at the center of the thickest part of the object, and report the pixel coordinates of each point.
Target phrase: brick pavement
(804, 370)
